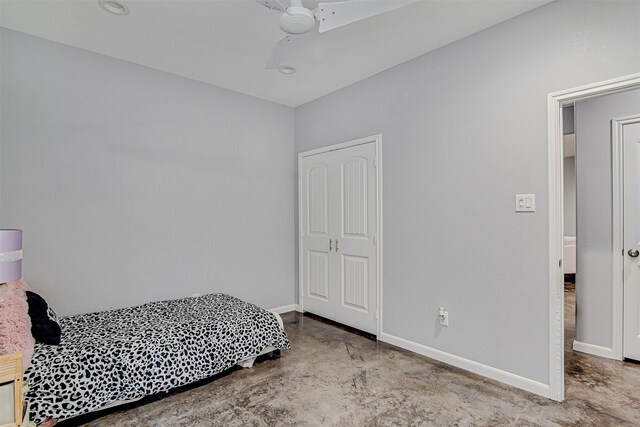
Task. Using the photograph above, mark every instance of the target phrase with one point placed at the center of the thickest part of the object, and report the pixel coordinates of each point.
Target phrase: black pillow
(44, 322)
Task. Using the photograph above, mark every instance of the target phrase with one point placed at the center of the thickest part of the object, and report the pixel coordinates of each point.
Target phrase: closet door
(355, 280)
(317, 241)
(339, 258)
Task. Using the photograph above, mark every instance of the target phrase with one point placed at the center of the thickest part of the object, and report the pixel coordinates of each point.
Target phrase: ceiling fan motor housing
(297, 20)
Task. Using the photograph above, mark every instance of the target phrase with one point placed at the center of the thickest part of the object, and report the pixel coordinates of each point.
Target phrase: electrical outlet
(443, 316)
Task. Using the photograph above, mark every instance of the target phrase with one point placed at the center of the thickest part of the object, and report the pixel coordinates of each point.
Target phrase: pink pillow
(15, 323)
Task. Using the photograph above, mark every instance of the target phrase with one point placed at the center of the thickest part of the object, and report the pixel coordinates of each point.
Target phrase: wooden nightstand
(13, 412)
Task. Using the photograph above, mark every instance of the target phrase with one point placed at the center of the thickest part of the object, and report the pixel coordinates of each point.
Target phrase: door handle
(330, 246)
(633, 253)
(337, 246)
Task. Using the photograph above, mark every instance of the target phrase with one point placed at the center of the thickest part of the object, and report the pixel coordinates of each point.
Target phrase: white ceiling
(227, 42)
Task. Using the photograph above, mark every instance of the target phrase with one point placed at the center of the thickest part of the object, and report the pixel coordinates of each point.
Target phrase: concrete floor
(334, 377)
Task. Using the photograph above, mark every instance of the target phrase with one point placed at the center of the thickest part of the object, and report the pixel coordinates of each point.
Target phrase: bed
(569, 255)
(122, 355)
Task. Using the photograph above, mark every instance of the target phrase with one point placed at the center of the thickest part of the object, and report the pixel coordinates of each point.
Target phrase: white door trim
(377, 140)
(555, 102)
(617, 151)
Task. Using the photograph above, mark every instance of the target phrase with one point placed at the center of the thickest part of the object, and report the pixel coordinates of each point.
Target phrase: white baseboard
(469, 365)
(593, 349)
(286, 308)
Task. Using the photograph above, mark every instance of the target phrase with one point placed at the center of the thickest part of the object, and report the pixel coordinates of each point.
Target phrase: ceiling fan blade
(273, 4)
(279, 52)
(337, 14)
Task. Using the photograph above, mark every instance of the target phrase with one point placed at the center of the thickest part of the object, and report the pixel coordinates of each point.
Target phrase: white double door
(631, 293)
(338, 206)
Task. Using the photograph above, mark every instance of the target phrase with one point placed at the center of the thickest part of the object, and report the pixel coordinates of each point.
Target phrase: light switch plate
(525, 202)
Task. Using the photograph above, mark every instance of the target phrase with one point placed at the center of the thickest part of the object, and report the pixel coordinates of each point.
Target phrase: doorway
(569, 250)
(557, 103)
(340, 242)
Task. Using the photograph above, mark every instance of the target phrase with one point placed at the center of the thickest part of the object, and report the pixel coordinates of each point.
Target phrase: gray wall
(568, 120)
(594, 244)
(134, 185)
(464, 130)
(570, 196)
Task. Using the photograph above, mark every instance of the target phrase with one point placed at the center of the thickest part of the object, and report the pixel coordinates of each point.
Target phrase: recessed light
(115, 7)
(286, 69)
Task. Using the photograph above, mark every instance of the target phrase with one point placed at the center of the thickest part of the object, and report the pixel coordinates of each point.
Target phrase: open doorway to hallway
(569, 223)
(596, 264)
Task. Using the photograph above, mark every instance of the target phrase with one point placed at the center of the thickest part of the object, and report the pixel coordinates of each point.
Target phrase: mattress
(126, 354)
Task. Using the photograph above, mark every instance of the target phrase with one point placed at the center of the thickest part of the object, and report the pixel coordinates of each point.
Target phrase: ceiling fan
(297, 19)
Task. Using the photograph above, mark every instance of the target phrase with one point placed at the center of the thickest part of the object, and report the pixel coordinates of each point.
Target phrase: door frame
(555, 102)
(617, 154)
(377, 140)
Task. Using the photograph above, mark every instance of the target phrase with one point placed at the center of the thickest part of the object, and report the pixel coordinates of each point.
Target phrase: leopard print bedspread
(133, 352)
